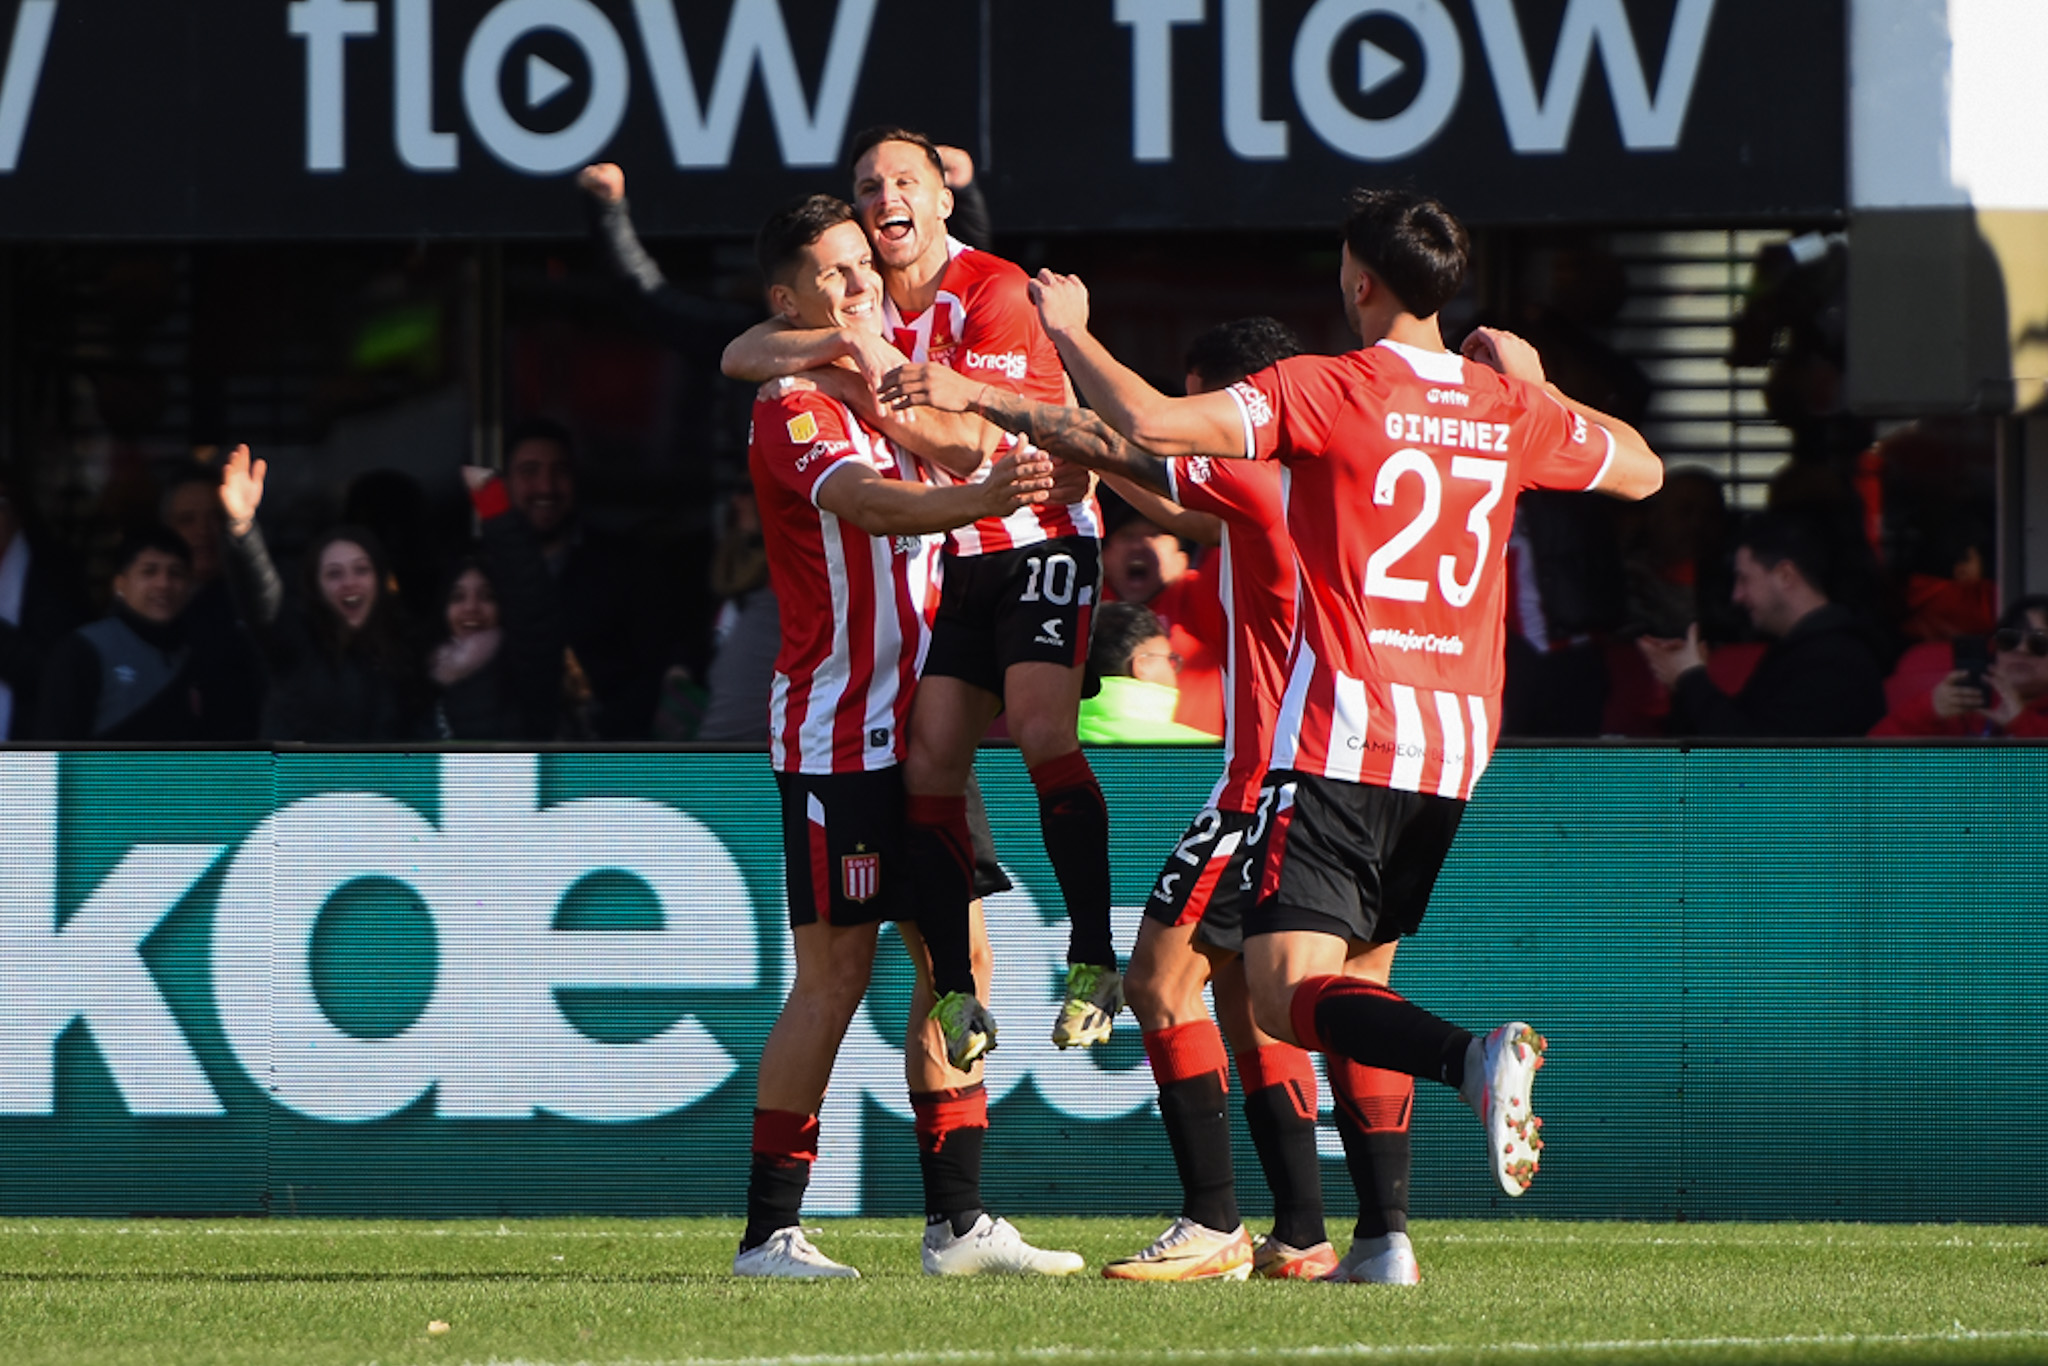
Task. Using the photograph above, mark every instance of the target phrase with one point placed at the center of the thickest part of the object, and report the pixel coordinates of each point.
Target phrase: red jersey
(1257, 585)
(856, 609)
(1401, 468)
(984, 325)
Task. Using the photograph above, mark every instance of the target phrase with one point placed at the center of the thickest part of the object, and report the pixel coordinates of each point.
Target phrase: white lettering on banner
(412, 113)
(326, 25)
(1647, 124)
(1535, 125)
(89, 968)
(511, 141)
(491, 1040)
(700, 134)
(1151, 23)
(1033, 955)
(1399, 135)
(24, 73)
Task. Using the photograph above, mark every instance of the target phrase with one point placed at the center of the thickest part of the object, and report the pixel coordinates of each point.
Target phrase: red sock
(1368, 1023)
(784, 1147)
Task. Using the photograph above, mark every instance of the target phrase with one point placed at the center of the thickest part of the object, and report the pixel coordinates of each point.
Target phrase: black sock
(1372, 1118)
(784, 1146)
(951, 1128)
(1198, 1128)
(1371, 1025)
(940, 852)
(1286, 1142)
(1074, 821)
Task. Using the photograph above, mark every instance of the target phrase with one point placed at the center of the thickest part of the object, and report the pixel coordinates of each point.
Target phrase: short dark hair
(144, 539)
(1227, 353)
(539, 429)
(1120, 628)
(1413, 243)
(1772, 538)
(792, 228)
(2014, 618)
(867, 139)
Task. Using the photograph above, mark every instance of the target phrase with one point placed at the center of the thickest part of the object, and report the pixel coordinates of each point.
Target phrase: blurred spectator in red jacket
(1999, 687)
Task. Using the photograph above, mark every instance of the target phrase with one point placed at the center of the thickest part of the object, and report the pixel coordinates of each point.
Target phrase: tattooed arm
(1071, 433)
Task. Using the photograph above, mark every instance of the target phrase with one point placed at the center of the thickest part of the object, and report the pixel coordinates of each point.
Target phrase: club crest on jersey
(802, 428)
(1256, 407)
(860, 875)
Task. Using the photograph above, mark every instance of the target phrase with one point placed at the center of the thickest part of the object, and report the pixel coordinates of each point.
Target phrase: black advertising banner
(381, 118)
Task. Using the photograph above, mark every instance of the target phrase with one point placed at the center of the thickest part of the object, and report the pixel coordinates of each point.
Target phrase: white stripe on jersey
(814, 808)
(1479, 741)
(831, 679)
(1411, 741)
(1244, 414)
(1438, 367)
(1227, 590)
(1350, 724)
(1287, 725)
(1452, 720)
(1594, 482)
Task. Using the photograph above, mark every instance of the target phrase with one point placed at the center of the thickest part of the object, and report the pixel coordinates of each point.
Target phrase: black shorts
(1348, 859)
(1032, 604)
(1203, 881)
(842, 847)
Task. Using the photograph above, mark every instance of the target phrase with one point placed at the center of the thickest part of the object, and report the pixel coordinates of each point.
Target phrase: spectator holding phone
(2000, 688)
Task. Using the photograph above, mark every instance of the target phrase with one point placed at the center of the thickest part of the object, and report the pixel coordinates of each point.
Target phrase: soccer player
(849, 526)
(1191, 936)
(1401, 462)
(1012, 631)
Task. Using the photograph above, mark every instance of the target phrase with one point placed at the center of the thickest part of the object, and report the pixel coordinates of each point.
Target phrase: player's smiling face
(903, 202)
(835, 284)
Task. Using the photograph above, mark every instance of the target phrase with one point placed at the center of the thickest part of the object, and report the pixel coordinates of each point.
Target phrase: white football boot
(1497, 1089)
(993, 1247)
(1389, 1260)
(788, 1253)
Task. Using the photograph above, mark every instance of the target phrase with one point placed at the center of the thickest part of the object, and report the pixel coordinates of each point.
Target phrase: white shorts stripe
(1452, 784)
(1480, 751)
(1411, 741)
(814, 808)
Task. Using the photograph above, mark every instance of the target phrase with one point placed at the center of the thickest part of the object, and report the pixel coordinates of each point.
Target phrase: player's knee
(1043, 738)
(1273, 1007)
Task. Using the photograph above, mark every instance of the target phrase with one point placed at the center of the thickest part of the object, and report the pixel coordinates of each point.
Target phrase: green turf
(597, 1291)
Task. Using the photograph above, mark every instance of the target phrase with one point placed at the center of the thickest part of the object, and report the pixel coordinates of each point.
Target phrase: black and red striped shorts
(1348, 859)
(1203, 880)
(842, 847)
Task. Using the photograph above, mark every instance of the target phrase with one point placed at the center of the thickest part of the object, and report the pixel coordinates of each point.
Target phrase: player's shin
(951, 1128)
(785, 1144)
(940, 852)
(1190, 1067)
(1280, 1110)
(1074, 820)
(1373, 1025)
(1373, 1109)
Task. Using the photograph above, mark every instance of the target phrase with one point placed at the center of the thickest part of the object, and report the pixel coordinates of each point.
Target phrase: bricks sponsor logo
(1256, 406)
(1011, 363)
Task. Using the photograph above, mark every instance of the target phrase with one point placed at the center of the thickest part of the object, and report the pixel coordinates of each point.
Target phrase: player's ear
(945, 202)
(782, 302)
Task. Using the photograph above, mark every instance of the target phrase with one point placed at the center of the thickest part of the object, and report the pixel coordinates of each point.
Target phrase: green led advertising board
(1777, 984)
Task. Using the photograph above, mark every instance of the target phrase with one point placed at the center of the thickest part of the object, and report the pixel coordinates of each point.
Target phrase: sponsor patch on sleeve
(1257, 410)
(803, 428)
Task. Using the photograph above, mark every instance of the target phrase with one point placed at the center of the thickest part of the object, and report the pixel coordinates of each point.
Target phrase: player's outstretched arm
(1203, 424)
(959, 443)
(1073, 434)
(1635, 472)
(772, 349)
(896, 507)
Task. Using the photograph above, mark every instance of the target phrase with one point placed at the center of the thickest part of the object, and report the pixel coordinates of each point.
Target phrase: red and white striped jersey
(1256, 565)
(1401, 468)
(984, 325)
(856, 609)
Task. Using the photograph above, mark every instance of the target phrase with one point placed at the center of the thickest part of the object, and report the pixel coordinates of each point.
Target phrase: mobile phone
(1973, 657)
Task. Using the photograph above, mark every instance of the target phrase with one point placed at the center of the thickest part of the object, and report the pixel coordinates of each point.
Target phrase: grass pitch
(315, 1293)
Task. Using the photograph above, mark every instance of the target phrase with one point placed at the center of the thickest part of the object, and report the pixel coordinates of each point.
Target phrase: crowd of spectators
(1675, 617)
